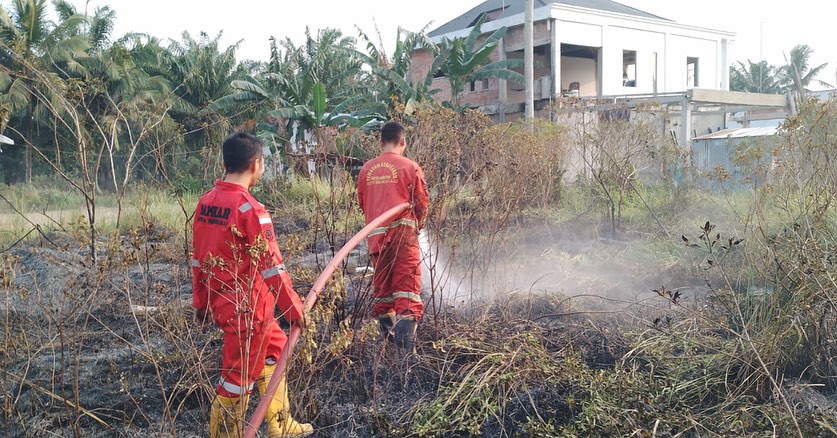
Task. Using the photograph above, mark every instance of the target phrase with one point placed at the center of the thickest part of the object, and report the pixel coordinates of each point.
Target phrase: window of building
(485, 85)
(472, 86)
(629, 68)
(692, 72)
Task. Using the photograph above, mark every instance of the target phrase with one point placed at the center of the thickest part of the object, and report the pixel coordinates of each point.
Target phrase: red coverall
(238, 274)
(383, 183)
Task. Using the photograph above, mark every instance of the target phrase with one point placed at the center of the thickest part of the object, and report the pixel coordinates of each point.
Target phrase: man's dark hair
(240, 150)
(392, 132)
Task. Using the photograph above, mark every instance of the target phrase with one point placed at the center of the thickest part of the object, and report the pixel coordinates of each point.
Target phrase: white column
(603, 64)
(502, 84)
(529, 60)
(724, 64)
(556, 61)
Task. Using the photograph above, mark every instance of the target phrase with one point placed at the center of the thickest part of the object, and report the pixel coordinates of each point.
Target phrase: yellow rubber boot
(280, 424)
(226, 417)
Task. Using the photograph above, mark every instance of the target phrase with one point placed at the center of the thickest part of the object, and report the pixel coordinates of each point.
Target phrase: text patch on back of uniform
(382, 173)
(214, 215)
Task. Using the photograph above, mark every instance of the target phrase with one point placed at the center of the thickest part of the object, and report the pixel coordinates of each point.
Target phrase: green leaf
(341, 107)
(342, 119)
(5, 80)
(401, 83)
(7, 24)
(251, 85)
(284, 113)
(232, 100)
(318, 101)
(497, 71)
(475, 32)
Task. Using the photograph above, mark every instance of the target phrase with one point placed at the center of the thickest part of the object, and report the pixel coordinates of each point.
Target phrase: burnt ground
(109, 350)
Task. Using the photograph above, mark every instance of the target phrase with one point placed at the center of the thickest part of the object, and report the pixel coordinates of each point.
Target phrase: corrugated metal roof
(823, 94)
(514, 7)
(739, 133)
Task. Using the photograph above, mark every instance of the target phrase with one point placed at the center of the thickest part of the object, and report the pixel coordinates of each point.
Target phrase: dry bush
(481, 177)
(759, 354)
(615, 151)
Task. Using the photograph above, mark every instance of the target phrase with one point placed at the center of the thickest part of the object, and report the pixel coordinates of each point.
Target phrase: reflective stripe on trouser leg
(406, 279)
(237, 374)
(412, 296)
(234, 389)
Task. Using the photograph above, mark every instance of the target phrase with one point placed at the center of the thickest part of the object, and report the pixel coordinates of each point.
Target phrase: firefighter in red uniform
(238, 280)
(384, 182)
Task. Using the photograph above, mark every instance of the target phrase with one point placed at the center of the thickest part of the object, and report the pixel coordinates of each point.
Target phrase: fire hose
(264, 399)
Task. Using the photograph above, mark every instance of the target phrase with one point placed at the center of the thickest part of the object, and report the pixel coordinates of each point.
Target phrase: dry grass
(588, 351)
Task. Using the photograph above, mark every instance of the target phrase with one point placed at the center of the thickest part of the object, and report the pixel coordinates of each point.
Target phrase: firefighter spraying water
(384, 182)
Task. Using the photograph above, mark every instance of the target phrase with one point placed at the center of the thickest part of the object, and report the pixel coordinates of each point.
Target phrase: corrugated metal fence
(733, 158)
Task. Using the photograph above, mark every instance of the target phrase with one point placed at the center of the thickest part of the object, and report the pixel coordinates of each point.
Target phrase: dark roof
(514, 7)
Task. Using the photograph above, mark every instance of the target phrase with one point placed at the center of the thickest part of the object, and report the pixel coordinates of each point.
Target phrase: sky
(764, 30)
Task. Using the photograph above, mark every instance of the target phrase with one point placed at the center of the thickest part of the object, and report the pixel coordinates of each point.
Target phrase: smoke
(571, 260)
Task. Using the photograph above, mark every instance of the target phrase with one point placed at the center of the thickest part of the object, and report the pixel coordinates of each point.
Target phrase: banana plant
(463, 60)
(394, 71)
(306, 105)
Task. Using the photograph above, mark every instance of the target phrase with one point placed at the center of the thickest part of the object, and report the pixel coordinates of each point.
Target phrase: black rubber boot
(386, 323)
(405, 333)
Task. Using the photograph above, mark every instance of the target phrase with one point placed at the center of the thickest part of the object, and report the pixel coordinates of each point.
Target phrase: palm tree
(201, 73)
(464, 61)
(35, 55)
(753, 77)
(327, 59)
(305, 88)
(798, 74)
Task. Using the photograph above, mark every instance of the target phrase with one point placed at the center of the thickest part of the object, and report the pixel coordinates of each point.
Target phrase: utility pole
(529, 61)
(761, 59)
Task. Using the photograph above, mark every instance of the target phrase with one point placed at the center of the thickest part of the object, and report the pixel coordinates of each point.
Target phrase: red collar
(224, 185)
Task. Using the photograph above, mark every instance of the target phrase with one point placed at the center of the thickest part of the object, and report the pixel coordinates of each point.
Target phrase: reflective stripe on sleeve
(264, 220)
(232, 388)
(245, 207)
(384, 300)
(412, 296)
(274, 271)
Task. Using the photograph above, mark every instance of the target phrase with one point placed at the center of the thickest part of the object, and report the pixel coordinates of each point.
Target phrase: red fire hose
(264, 399)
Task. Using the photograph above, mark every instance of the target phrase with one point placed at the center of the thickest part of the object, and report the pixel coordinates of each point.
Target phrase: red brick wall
(514, 36)
(420, 65)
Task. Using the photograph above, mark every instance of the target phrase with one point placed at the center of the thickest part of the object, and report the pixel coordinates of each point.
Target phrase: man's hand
(202, 317)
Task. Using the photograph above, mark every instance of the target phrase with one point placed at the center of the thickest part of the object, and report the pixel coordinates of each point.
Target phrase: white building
(597, 47)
